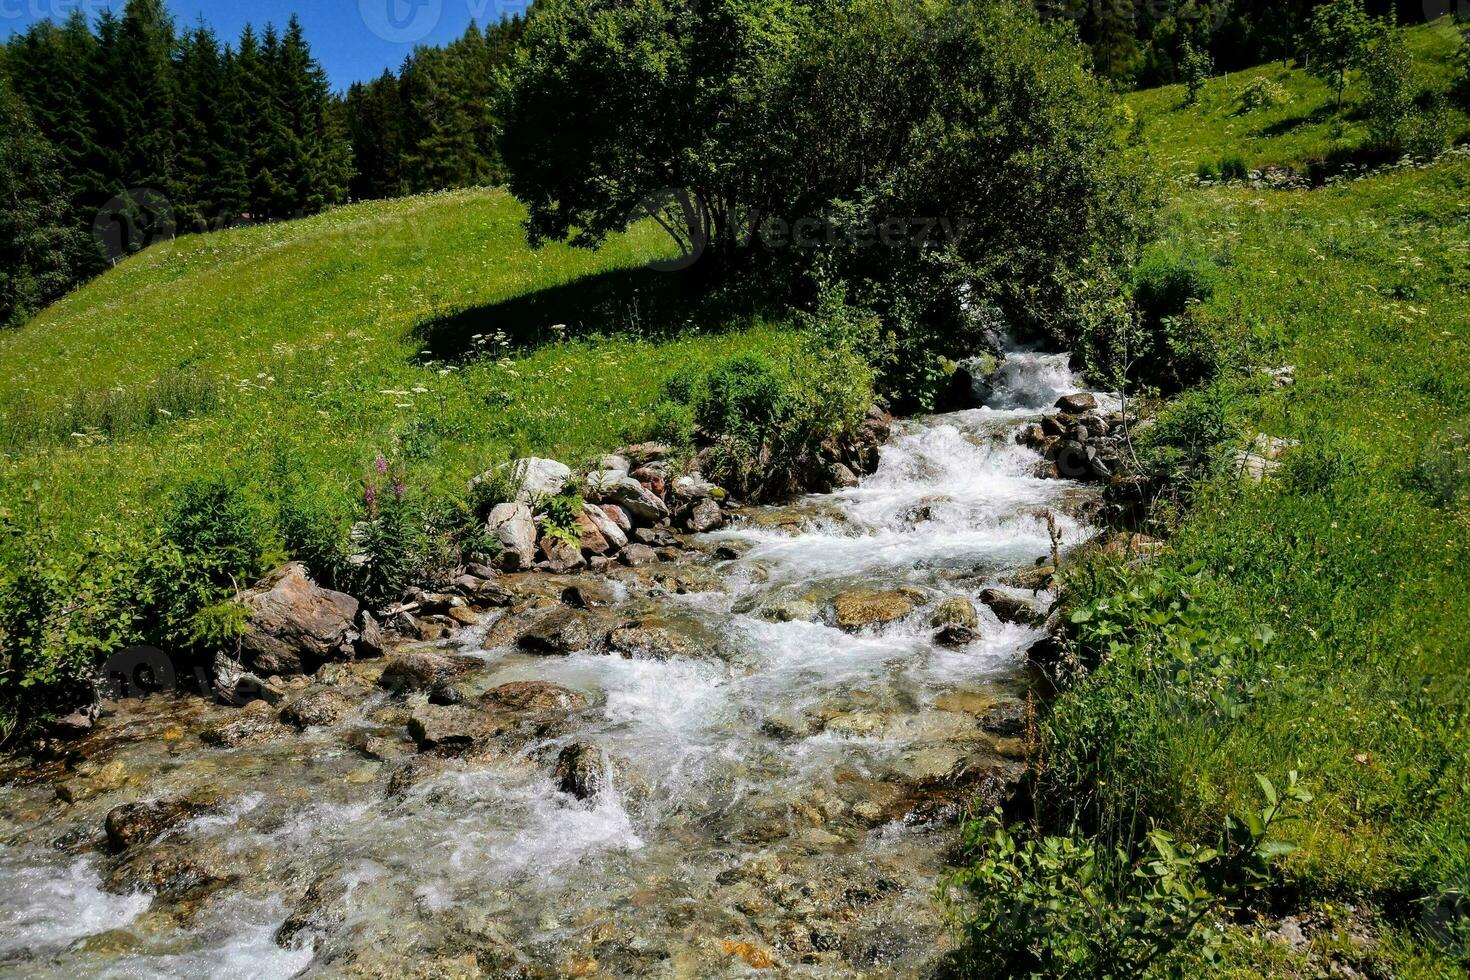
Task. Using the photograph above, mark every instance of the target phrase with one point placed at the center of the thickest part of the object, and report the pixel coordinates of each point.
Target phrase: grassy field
(1355, 555)
(1294, 135)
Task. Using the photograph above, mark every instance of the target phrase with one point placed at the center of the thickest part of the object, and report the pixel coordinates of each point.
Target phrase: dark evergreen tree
(41, 252)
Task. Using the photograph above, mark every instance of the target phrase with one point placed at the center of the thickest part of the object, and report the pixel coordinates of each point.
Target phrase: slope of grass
(1294, 135)
(1355, 555)
(282, 360)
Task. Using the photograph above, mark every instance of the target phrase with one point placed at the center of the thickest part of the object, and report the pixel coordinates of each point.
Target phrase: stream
(779, 794)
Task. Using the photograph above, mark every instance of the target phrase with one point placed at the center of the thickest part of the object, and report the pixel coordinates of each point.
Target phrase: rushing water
(761, 810)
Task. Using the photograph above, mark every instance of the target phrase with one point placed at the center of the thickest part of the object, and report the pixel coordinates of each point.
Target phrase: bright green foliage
(1068, 906)
(1337, 41)
(1196, 66)
(40, 255)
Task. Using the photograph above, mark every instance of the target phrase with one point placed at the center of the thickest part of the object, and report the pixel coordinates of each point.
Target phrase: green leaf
(1267, 788)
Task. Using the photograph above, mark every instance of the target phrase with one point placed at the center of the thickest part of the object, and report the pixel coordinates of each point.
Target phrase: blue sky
(353, 39)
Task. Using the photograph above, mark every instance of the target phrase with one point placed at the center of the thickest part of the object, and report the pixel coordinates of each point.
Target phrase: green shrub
(673, 423)
(559, 518)
(1208, 172)
(1441, 473)
(1262, 93)
(1174, 349)
(1233, 167)
(1196, 65)
(387, 545)
(743, 398)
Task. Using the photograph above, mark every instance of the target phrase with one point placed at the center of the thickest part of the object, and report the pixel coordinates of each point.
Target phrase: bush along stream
(693, 737)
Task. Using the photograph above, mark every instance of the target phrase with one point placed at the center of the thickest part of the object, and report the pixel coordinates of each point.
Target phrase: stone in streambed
(563, 630)
(536, 697)
(956, 622)
(325, 707)
(256, 724)
(1011, 609)
(636, 555)
(132, 824)
(580, 771)
(1077, 403)
(293, 625)
(648, 641)
(420, 670)
(858, 610)
(514, 526)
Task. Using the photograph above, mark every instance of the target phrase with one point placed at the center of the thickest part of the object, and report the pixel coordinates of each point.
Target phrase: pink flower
(381, 464)
(370, 497)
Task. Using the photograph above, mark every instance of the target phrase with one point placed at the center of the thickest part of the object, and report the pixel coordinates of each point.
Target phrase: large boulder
(1011, 609)
(858, 610)
(648, 641)
(514, 526)
(1077, 403)
(560, 555)
(293, 626)
(580, 771)
(608, 528)
(621, 490)
(562, 631)
(534, 479)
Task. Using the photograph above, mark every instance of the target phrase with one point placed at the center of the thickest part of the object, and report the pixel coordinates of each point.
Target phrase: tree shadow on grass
(628, 302)
(1291, 123)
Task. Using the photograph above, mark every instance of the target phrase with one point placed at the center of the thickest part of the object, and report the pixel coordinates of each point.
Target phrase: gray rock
(293, 626)
(514, 526)
(562, 631)
(621, 490)
(561, 557)
(614, 462)
(956, 622)
(611, 533)
(435, 726)
(1077, 403)
(637, 555)
(580, 771)
(841, 476)
(701, 516)
(1011, 609)
(536, 478)
(326, 707)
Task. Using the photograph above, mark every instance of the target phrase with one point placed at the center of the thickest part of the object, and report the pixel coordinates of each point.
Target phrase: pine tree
(41, 253)
(145, 97)
(374, 117)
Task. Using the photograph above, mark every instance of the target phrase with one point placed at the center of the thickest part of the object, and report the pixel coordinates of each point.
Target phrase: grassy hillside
(1353, 557)
(282, 360)
(1300, 132)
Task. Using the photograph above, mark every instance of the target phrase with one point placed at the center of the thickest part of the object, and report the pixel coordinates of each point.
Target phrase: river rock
(325, 707)
(615, 462)
(419, 670)
(648, 641)
(514, 526)
(580, 771)
(618, 516)
(536, 697)
(563, 630)
(621, 490)
(293, 625)
(132, 824)
(1077, 403)
(841, 476)
(637, 555)
(560, 556)
(1011, 609)
(789, 611)
(256, 724)
(613, 535)
(435, 726)
(321, 909)
(858, 610)
(956, 622)
(536, 479)
(701, 516)
(646, 452)
(1037, 578)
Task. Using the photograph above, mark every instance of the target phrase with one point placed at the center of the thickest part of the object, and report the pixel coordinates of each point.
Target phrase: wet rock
(464, 616)
(538, 697)
(701, 516)
(841, 476)
(859, 610)
(442, 692)
(973, 382)
(612, 535)
(1078, 403)
(626, 493)
(256, 724)
(638, 555)
(325, 707)
(514, 526)
(731, 551)
(74, 724)
(435, 726)
(648, 641)
(561, 556)
(321, 909)
(562, 631)
(375, 746)
(580, 771)
(1032, 435)
(419, 670)
(293, 625)
(1007, 718)
(171, 875)
(956, 623)
(132, 824)
(1011, 609)
(1038, 578)
(789, 611)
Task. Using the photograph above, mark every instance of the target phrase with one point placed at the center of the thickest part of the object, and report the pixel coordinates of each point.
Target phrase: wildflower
(370, 497)
(398, 487)
(381, 464)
